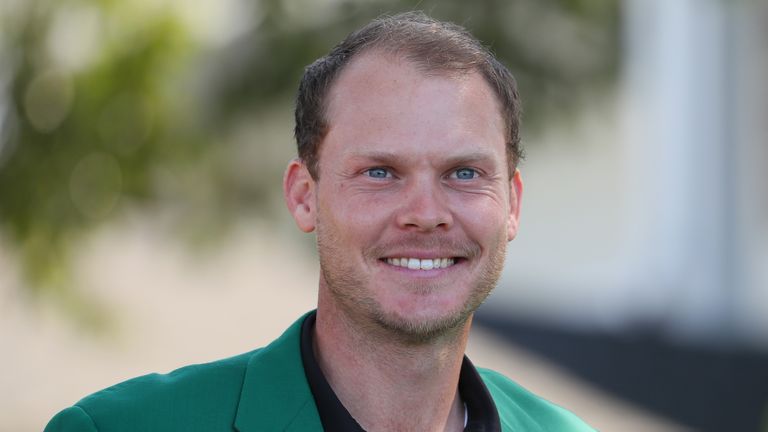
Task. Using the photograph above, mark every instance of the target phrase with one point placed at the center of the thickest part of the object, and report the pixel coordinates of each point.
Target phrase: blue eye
(378, 173)
(465, 173)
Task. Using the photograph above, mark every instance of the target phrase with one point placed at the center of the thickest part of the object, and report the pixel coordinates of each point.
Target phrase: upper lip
(422, 255)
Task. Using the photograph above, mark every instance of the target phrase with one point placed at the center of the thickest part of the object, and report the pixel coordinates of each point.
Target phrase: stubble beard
(348, 287)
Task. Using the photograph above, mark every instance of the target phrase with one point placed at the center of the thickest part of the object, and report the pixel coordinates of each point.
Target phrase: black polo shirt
(482, 414)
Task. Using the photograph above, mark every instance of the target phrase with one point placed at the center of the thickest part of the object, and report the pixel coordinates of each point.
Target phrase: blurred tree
(559, 50)
(84, 131)
(103, 101)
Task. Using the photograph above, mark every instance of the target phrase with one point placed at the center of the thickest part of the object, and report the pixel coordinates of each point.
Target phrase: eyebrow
(388, 158)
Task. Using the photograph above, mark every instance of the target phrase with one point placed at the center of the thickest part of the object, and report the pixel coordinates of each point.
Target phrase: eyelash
(387, 174)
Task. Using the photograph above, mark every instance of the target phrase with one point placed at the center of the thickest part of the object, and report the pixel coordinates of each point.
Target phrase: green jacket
(263, 390)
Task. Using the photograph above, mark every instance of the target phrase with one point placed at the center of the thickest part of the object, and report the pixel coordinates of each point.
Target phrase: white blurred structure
(653, 212)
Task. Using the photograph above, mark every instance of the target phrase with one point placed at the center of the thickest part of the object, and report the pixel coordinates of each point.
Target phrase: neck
(387, 381)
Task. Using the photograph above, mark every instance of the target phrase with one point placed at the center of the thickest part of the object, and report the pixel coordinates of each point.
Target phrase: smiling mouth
(421, 264)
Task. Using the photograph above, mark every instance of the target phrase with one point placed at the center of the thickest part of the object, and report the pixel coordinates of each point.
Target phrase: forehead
(385, 100)
(379, 70)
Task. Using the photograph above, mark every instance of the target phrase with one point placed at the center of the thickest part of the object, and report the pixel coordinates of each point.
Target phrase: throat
(391, 386)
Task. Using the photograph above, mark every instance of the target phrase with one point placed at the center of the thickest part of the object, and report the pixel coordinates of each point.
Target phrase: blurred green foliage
(103, 101)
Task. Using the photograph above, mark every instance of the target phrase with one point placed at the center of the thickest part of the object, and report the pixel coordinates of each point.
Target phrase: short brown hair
(434, 46)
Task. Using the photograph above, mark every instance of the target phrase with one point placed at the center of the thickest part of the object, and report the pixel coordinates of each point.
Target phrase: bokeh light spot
(74, 38)
(48, 100)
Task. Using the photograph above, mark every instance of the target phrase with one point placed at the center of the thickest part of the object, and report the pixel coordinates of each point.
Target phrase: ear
(299, 194)
(515, 195)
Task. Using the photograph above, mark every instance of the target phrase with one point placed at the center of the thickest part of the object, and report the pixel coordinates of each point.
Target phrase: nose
(424, 207)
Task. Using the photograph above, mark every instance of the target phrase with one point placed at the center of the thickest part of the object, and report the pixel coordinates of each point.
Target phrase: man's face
(414, 204)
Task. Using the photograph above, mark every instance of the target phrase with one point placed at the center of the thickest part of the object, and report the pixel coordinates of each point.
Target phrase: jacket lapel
(275, 394)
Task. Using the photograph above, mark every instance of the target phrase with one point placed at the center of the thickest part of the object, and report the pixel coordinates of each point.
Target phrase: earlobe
(299, 194)
(515, 196)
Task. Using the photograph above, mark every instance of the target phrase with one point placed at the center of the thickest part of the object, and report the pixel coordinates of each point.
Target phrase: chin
(422, 328)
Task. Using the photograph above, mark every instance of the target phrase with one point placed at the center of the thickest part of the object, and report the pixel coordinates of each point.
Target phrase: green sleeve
(72, 419)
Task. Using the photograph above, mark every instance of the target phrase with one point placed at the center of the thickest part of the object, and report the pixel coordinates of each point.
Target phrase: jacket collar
(275, 394)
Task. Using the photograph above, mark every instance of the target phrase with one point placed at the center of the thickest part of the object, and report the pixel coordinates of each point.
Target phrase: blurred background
(142, 228)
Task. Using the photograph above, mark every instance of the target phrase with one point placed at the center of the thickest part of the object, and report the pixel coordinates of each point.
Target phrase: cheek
(486, 221)
(354, 215)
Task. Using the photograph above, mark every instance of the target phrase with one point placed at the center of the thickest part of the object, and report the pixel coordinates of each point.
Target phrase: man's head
(435, 47)
(412, 196)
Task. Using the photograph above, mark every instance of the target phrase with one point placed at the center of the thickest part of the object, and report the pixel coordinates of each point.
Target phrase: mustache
(445, 246)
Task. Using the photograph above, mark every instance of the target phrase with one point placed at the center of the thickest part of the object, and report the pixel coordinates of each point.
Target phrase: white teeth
(421, 264)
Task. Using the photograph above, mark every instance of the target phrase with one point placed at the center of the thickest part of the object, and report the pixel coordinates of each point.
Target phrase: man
(408, 142)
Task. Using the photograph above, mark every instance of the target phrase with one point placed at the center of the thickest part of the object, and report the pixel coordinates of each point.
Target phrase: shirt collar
(483, 416)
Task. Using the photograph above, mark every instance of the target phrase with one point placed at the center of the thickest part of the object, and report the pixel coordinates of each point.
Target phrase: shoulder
(205, 395)
(520, 409)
